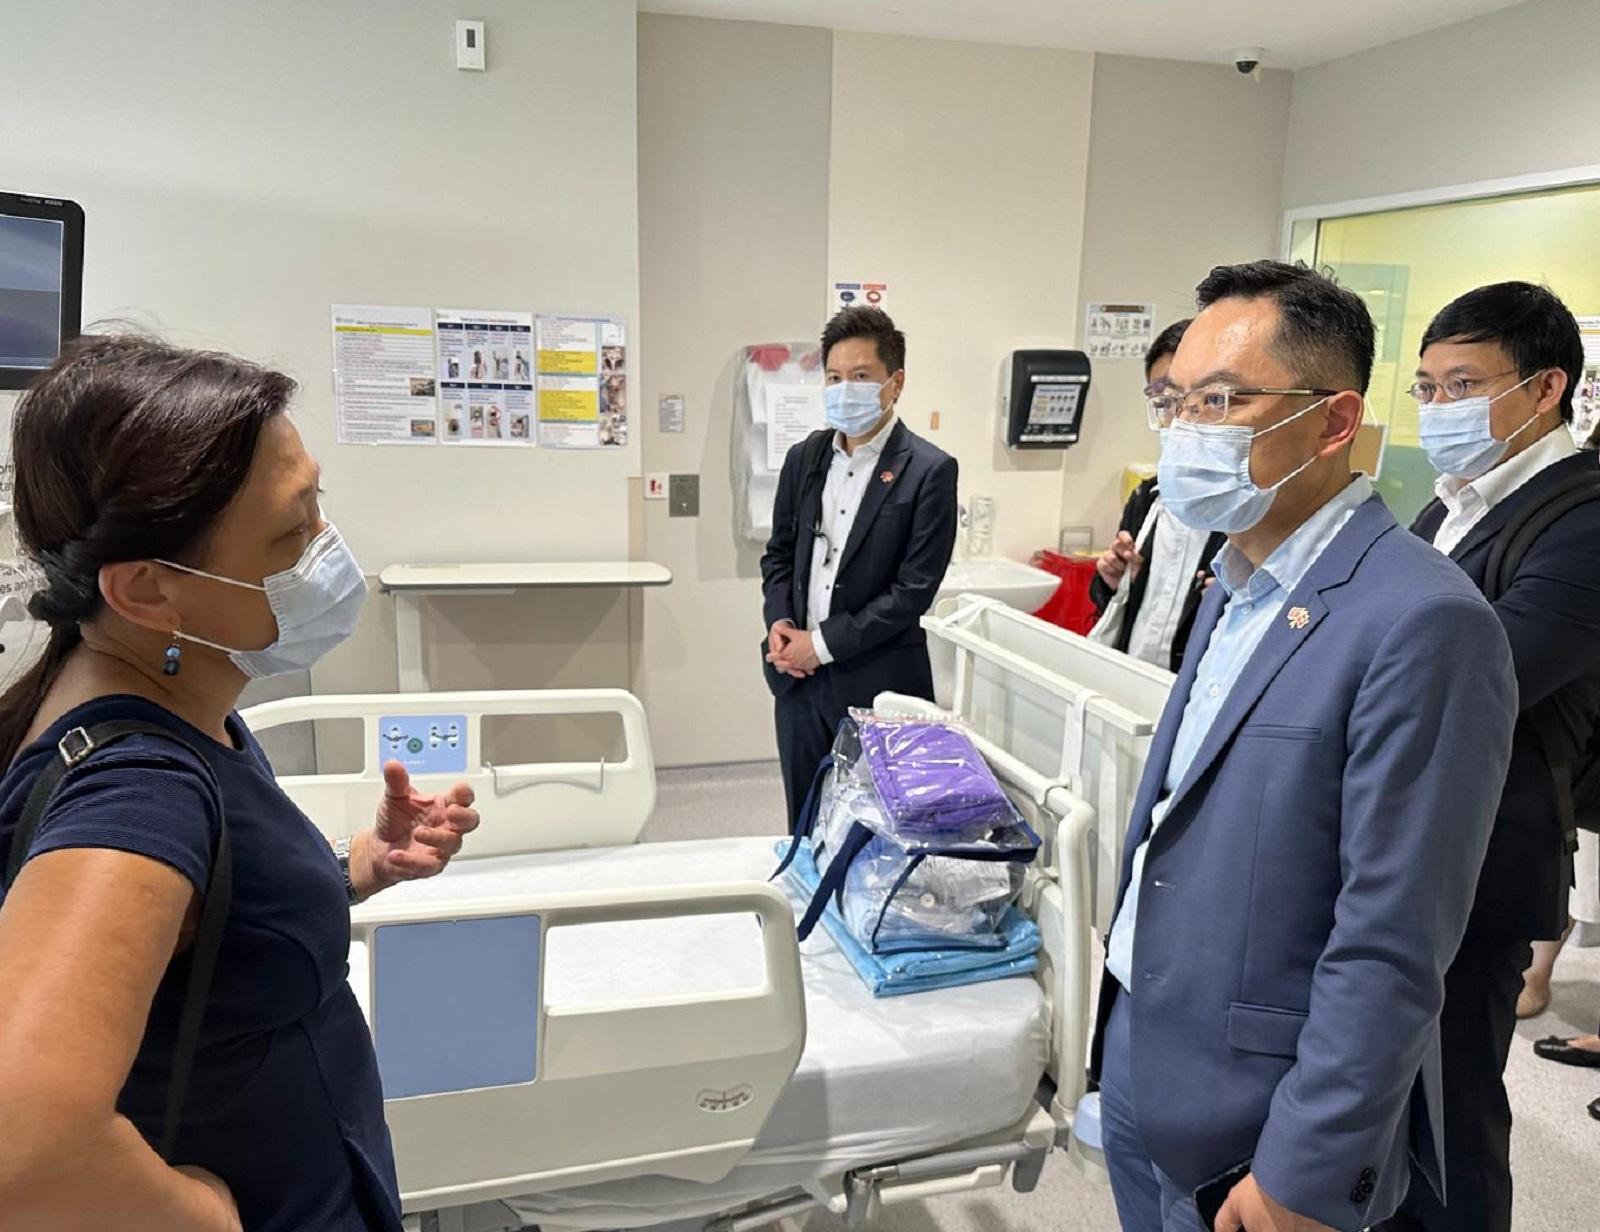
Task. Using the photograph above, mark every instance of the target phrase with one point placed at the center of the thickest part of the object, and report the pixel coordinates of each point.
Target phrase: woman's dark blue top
(285, 1103)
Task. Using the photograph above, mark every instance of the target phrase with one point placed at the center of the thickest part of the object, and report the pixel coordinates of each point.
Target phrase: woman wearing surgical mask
(164, 907)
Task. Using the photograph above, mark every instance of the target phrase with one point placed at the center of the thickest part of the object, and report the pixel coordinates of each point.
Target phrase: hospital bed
(579, 1031)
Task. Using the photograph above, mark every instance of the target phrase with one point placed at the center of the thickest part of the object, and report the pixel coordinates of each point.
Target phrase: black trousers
(807, 718)
(808, 712)
(1477, 1026)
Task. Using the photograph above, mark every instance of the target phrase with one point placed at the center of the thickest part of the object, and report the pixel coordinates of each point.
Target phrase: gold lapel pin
(1299, 618)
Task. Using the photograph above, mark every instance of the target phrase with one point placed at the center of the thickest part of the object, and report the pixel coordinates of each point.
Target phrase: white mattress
(880, 1079)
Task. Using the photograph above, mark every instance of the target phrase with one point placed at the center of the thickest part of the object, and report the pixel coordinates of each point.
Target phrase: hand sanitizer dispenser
(1042, 398)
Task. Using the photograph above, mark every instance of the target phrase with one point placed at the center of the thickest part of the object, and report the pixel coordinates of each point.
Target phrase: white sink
(995, 577)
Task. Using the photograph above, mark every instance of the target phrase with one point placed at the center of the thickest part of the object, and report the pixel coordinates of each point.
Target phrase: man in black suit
(862, 531)
(1494, 388)
(1164, 564)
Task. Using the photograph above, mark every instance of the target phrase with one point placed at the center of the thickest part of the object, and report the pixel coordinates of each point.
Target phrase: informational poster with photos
(581, 374)
(485, 376)
(383, 379)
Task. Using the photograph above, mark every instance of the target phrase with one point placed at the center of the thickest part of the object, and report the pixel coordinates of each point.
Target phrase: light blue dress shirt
(1255, 597)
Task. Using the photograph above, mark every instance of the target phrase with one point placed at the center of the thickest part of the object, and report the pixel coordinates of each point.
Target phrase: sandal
(1554, 1048)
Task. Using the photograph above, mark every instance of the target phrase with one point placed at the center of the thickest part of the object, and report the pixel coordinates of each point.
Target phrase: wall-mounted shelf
(409, 584)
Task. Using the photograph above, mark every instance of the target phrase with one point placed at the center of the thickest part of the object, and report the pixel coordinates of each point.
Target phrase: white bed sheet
(880, 1079)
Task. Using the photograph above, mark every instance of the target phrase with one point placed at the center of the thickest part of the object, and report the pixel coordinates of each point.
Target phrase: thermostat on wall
(469, 45)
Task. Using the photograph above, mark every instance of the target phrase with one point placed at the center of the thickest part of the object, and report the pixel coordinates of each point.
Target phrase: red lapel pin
(887, 477)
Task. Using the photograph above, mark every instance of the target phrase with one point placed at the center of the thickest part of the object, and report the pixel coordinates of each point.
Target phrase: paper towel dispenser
(1042, 398)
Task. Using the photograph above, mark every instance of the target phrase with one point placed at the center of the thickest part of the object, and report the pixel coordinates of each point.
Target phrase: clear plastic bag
(941, 850)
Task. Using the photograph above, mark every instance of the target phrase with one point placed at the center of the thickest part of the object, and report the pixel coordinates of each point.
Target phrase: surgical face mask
(853, 406)
(1458, 438)
(316, 604)
(1204, 474)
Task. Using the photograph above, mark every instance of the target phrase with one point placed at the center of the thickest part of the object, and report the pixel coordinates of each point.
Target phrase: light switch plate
(683, 496)
(655, 486)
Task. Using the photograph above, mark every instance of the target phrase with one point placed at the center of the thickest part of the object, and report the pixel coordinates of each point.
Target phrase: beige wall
(1507, 94)
(733, 207)
(1185, 161)
(773, 159)
(958, 177)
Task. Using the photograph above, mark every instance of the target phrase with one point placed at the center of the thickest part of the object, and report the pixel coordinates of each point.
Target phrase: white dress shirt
(848, 477)
(1173, 560)
(1255, 597)
(1467, 502)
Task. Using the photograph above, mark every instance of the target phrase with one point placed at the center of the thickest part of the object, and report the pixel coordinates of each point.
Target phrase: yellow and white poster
(581, 374)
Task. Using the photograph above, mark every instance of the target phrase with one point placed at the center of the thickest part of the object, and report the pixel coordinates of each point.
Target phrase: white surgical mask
(316, 604)
(1459, 439)
(853, 406)
(1204, 474)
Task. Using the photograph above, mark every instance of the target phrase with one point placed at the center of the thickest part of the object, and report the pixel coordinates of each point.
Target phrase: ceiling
(1294, 33)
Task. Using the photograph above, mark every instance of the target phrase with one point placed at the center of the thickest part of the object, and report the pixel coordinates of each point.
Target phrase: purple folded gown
(931, 779)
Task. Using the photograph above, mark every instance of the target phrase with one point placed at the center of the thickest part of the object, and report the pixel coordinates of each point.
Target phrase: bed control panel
(424, 743)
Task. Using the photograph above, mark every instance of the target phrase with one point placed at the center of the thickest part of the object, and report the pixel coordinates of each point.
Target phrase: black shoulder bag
(1571, 744)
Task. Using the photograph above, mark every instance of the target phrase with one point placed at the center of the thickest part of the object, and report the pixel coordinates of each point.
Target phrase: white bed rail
(677, 1086)
(1077, 713)
(533, 806)
(1057, 895)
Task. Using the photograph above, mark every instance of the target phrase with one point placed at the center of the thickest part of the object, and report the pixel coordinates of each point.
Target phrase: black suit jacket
(1551, 614)
(892, 565)
(1134, 514)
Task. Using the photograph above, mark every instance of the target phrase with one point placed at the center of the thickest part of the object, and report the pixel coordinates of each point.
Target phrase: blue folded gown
(893, 975)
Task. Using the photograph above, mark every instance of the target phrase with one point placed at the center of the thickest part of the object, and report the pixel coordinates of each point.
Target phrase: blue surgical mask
(853, 406)
(1204, 474)
(316, 604)
(1458, 438)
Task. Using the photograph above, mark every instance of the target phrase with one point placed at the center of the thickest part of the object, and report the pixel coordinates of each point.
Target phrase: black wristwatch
(341, 849)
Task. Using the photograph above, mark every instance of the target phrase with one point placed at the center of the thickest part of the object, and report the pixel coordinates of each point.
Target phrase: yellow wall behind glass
(1438, 252)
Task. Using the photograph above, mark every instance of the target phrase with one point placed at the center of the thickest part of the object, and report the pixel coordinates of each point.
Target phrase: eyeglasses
(1210, 404)
(1455, 389)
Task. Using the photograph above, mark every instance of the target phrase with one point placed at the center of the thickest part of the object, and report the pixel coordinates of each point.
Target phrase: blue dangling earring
(174, 661)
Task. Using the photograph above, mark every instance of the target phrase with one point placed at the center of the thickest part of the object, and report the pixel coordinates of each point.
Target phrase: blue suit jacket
(1313, 878)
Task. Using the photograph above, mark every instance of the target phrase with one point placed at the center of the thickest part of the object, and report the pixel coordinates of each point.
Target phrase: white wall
(957, 176)
(733, 241)
(1507, 94)
(243, 165)
(1185, 162)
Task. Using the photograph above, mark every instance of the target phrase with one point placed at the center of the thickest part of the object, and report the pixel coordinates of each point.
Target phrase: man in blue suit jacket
(862, 531)
(1304, 846)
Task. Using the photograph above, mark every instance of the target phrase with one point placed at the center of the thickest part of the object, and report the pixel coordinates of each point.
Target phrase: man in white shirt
(862, 530)
(1494, 390)
(1161, 563)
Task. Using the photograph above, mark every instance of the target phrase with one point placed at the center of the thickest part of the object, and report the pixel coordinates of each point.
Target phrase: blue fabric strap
(807, 821)
(832, 883)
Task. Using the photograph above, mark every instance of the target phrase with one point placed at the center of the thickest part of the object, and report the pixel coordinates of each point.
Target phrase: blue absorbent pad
(893, 975)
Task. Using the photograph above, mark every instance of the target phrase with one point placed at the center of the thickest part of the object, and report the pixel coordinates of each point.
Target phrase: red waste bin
(1070, 607)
